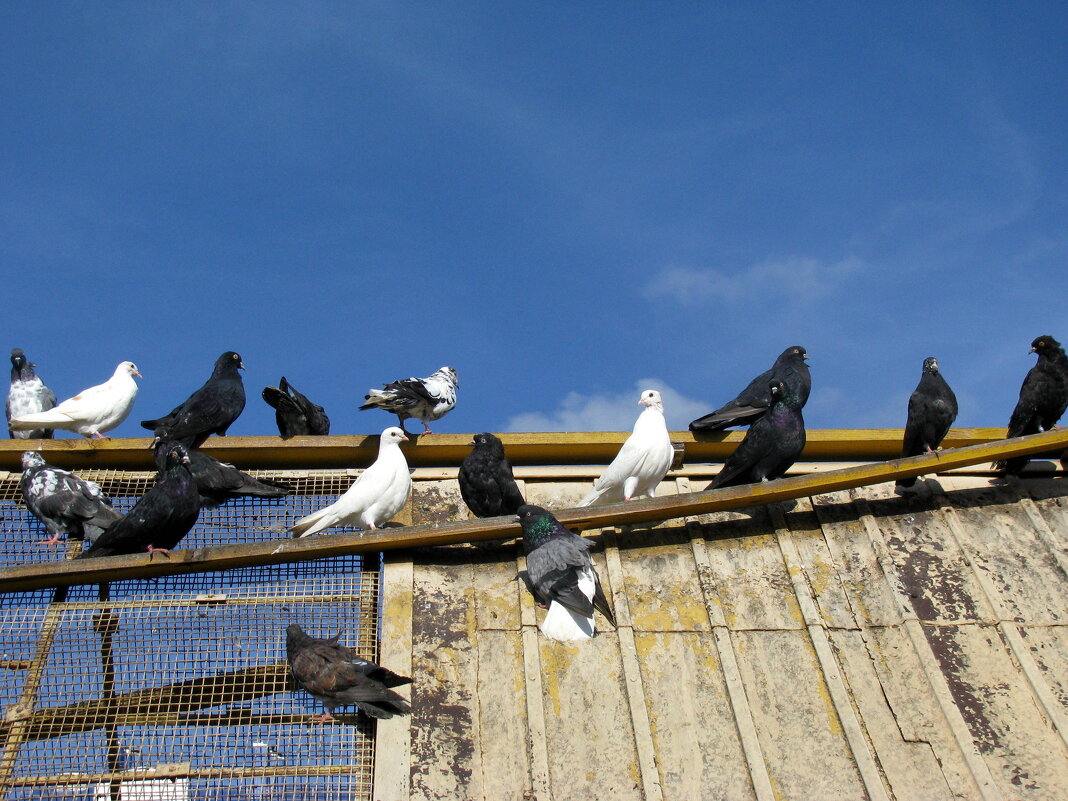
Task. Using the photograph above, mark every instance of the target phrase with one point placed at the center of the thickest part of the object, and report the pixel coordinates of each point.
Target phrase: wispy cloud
(802, 279)
(609, 412)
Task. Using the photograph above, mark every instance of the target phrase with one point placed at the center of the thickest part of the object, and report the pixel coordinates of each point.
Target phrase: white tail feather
(562, 624)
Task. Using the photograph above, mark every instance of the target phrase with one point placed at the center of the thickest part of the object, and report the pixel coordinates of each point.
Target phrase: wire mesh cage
(177, 688)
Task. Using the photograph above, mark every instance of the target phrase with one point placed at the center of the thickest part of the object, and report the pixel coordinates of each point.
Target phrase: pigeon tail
(565, 625)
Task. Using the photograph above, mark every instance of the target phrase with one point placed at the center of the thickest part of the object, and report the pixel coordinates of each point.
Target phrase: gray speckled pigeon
(426, 399)
(65, 503)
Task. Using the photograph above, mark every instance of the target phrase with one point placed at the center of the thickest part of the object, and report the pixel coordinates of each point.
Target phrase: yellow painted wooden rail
(435, 450)
(224, 557)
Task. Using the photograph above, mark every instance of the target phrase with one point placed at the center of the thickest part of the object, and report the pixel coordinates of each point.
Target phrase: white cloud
(797, 278)
(578, 412)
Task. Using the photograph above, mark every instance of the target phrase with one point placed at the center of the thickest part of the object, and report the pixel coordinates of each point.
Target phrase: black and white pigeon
(217, 481)
(561, 576)
(209, 410)
(932, 410)
(1043, 397)
(426, 399)
(65, 503)
(294, 414)
(338, 676)
(642, 462)
(158, 521)
(771, 445)
(93, 411)
(378, 493)
(27, 395)
(753, 401)
(486, 481)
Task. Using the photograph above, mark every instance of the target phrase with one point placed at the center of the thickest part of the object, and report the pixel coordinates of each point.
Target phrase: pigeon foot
(153, 549)
(53, 540)
(324, 718)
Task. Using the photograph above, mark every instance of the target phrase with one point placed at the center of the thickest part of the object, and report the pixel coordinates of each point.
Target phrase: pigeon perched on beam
(217, 481)
(338, 676)
(932, 410)
(771, 445)
(209, 410)
(158, 521)
(1043, 397)
(378, 493)
(642, 462)
(754, 401)
(65, 503)
(92, 412)
(561, 576)
(294, 414)
(426, 399)
(486, 481)
(27, 395)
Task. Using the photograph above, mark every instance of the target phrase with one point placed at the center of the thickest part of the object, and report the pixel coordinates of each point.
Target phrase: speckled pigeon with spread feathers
(65, 503)
(338, 676)
(426, 399)
(27, 395)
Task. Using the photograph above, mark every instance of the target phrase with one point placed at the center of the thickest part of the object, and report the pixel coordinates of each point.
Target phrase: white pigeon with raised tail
(378, 493)
(91, 412)
(642, 462)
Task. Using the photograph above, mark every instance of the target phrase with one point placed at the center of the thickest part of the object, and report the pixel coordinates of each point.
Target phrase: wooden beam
(435, 450)
(20, 578)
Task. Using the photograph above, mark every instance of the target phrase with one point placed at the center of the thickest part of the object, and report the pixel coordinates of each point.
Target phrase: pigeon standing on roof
(294, 414)
(158, 521)
(1043, 397)
(65, 503)
(562, 576)
(486, 481)
(91, 412)
(642, 462)
(378, 493)
(27, 395)
(217, 481)
(338, 676)
(426, 399)
(209, 410)
(932, 410)
(754, 401)
(771, 445)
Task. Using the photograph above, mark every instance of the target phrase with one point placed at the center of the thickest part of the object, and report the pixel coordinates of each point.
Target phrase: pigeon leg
(426, 428)
(153, 549)
(50, 541)
(326, 717)
(400, 422)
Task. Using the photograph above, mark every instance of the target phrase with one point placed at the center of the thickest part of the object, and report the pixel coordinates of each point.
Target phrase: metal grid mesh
(177, 687)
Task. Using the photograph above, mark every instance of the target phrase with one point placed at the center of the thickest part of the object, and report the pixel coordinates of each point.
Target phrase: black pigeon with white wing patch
(426, 399)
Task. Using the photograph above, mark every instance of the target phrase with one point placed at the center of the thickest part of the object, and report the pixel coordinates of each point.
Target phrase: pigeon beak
(472, 442)
(137, 373)
(240, 365)
(515, 519)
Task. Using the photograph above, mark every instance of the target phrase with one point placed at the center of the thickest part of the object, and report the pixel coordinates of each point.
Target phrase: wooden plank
(91, 571)
(699, 751)
(793, 726)
(503, 731)
(424, 450)
(587, 721)
(393, 739)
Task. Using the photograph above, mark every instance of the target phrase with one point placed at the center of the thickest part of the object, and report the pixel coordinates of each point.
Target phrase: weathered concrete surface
(938, 671)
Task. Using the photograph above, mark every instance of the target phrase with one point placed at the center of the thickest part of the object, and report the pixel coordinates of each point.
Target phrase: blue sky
(566, 202)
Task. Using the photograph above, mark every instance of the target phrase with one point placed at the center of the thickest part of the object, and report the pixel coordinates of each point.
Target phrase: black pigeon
(932, 410)
(561, 576)
(337, 676)
(1043, 397)
(754, 400)
(486, 482)
(295, 415)
(27, 395)
(771, 445)
(64, 502)
(158, 521)
(217, 481)
(209, 410)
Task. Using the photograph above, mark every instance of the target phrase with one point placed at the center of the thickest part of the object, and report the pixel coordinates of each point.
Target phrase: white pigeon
(426, 399)
(642, 462)
(378, 494)
(92, 411)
